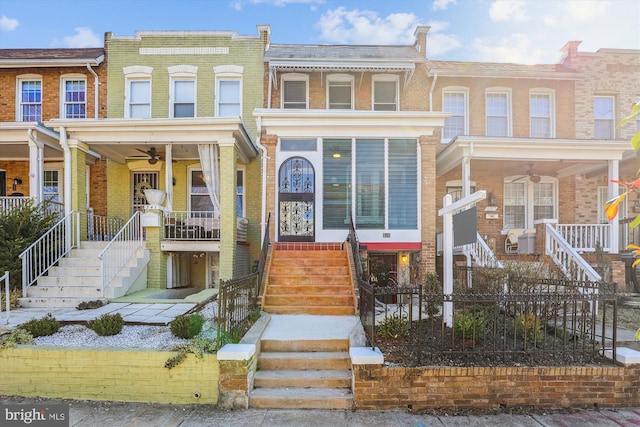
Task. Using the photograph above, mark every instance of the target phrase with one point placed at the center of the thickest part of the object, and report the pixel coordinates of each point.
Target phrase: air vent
(386, 235)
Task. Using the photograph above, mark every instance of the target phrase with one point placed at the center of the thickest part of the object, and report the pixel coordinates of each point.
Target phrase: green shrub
(393, 327)
(43, 327)
(13, 299)
(187, 326)
(529, 327)
(107, 324)
(198, 346)
(469, 322)
(17, 336)
(88, 305)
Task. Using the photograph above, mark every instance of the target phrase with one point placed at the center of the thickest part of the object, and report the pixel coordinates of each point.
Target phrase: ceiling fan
(531, 173)
(154, 155)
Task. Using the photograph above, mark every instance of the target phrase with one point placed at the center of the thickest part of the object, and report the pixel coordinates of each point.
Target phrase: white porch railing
(481, 253)
(120, 250)
(49, 248)
(102, 228)
(8, 203)
(567, 258)
(586, 237)
(7, 296)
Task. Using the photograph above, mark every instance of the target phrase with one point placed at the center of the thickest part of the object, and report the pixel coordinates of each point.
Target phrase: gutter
(96, 85)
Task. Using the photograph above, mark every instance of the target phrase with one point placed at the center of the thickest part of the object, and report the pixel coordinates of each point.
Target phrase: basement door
(296, 201)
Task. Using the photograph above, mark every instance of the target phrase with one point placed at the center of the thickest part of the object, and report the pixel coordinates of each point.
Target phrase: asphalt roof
(59, 54)
(344, 52)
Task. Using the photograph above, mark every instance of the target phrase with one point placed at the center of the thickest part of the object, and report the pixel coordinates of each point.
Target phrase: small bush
(17, 336)
(529, 327)
(197, 346)
(393, 327)
(88, 305)
(43, 327)
(469, 322)
(13, 299)
(187, 326)
(107, 324)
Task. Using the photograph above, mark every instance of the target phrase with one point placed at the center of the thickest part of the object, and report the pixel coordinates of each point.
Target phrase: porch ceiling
(14, 141)
(569, 156)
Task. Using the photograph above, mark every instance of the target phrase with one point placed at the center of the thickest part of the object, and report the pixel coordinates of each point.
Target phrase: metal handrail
(7, 295)
(266, 242)
(567, 258)
(42, 254)
(355, 247)
(124, 245)
(482, 253)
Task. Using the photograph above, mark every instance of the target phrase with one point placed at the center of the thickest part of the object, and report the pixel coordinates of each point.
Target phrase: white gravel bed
(131, 336)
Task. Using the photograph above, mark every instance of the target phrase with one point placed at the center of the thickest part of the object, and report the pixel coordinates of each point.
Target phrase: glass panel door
(296, 201)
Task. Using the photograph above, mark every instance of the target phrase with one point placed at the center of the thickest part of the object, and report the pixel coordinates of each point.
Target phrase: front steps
(303, 374)
(314, 280)
(78, 278)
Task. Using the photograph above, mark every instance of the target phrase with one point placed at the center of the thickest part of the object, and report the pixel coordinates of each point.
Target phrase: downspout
(67, 170)
(263, 149)
(433, 85)
(268, 92)
(96, 86)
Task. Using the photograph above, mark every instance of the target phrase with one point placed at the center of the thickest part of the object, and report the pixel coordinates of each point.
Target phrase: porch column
(168, 177)
(466, 176)
(79, 182)
(614, 226)
(427, 153)
(228, 219)
(270, 142)
(36, 170)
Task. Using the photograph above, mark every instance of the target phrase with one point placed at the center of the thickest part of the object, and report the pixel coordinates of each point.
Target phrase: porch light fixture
(337, 155)
(404, 258)
(16, 181)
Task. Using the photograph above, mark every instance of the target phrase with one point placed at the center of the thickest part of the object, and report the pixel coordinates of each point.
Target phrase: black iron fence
(238, 304)
(525, 322)
(266, 243)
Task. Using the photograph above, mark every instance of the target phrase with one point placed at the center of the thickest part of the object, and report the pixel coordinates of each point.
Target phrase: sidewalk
(116, 414)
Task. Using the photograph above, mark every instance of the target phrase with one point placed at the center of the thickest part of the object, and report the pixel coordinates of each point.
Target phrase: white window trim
(529, 194)
(136, 73)
(243, 170)
(465, 93)
(613, 112)
(56, 167)
(227, 72)
(63, 80)
(27, 78)
(183, 73)
(342, 78)
(502, 91)
(294, 77)
(190, 169)
(552, 108)
(385, 78)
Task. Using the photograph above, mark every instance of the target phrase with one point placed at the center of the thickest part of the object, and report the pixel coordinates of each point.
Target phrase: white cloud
(8, 24)
(366, 27)
(443, 4)
(550, 21)
(584, 10)
(515, 49)
(83, 37)
(508, 10)
(282, 3)
(438, 44)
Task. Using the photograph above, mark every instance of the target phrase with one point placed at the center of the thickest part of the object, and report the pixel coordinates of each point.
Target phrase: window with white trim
(74, 98)
(52, 189)
(541, 115)
(454, 102)
(228, 99)
(526, 201)
(199, 199)
(603, 196)
(385, 93)
(498, 111)
(295, 88)
(137, 92)
(182, 91)
(603, 117)
(240, 204)
(29, 100)
(340, 92)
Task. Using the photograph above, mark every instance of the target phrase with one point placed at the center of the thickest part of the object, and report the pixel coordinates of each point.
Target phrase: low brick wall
(129, 375)
(380, 387)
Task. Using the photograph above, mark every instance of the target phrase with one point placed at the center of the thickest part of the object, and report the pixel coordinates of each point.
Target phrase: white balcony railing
(586, 237)
(199, 225)
(12, 202)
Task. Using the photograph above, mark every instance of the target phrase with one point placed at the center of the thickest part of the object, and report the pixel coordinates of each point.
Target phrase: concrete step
(61, 302)
(73, 281)
(79, 262)
(85, 253)
(309, 300)
(323, 360)
(320, 310)
(305, 379)
(89, 244)
(77, 270)
(323, 345)
(301, 398)
(86, 292)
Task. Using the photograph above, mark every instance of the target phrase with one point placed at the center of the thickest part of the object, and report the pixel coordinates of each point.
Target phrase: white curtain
(211, 172)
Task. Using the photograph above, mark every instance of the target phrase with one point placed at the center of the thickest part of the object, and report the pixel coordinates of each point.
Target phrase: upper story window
(498, 108)
(182, 96)
(541, 115)
(454, 102)
(295, 91)
(228, 90)
(603, 117)
(74, 98)
(340, 92)
(137, 92)
(385, 93)
(29, 108)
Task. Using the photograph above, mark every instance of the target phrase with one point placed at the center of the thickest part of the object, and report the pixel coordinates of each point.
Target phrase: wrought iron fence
(549, 322)
(238, 302)
(266, 242)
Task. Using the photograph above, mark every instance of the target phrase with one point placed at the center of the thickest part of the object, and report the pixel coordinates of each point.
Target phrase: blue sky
(523, 31)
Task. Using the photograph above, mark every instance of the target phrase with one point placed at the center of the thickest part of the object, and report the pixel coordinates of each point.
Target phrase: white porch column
(466, 176)
(168, 177)
(36, 170)
(614, 228)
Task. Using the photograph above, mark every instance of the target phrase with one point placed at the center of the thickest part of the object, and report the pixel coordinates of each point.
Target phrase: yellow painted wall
(128, 375)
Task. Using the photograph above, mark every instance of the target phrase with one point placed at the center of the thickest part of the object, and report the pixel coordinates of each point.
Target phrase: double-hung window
(29, 100)
(526, 201)
(74, 98)
(603, 112)
(498, 110)
(182, 95)
(137, 92)
(294, 91)
(228, 99)
(52, 187)
(541, 113)
(385, 93)
(199, 199)
(454, 102)
(340, 92)
(240, 193)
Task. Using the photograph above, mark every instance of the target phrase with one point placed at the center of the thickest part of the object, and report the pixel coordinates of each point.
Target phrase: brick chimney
(265, 35)
(421, 38)
(570, 51)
